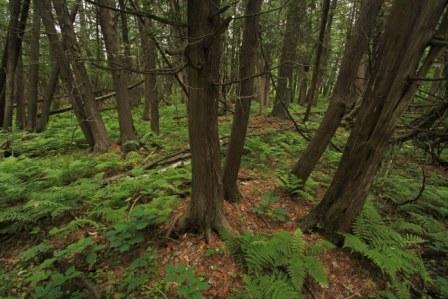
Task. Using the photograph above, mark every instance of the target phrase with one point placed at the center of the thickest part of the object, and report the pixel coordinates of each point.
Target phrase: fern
(278, 263)
(387, 249)
(269, 287)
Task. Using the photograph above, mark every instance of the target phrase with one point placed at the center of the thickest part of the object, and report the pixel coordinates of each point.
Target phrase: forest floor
(347, 277)
(76, 224)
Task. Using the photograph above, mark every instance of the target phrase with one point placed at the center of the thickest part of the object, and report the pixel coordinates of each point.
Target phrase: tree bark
(117, 64)
(99, 133)
(33, 81)
(312, 94)
(326, 49)
(52, 85)
(151, 105)
(19, 95)
(205, 212)
(409, 28)
(125, 34)
(16, 30)
(344, 92)
(50, 90)
(288, 58)
(57, 53)
(243, 102)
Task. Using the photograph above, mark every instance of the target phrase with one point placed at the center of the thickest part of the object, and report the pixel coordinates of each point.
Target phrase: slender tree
(33, 81)
(117, 64)
(125, 33)
(151, 104)
(409, 30)
(19, 96)
(18, 17)
(98, 130)
(58, 54)
(312, 96)
(288, 58)
(52, 84)
(242, 105)
(43, 117)
(344, 93)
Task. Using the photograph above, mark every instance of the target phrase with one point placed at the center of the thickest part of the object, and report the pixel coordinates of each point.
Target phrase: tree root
(183, 223)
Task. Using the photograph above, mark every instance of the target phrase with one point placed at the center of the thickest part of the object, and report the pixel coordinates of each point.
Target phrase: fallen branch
(98, 99)
(179, 156)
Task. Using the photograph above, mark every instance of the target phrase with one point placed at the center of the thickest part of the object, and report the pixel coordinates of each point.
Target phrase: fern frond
(296, 270)
(316, 270)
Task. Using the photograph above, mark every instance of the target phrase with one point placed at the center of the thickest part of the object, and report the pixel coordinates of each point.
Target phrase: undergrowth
(278, 264)
(77, 229)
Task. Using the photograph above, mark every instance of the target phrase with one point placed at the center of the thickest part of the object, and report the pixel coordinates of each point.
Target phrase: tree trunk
(409, 29)
(312, 95)
(288, 58)
(99, 133)
(57, 53)
(125, 33)
(2, 80)
(44, 116)
(52, 85)
(360, 85)
(14, 45)
(242, 105)
(326, 49)
(19, 95)
(33, 81)
(344, 92)
(117, 64)
(206, 207)
(263, 83)
(151, 106)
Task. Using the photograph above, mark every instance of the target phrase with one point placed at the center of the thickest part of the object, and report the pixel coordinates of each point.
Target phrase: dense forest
(224, 149)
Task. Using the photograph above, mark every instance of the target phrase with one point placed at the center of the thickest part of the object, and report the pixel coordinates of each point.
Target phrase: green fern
(387, 249)
(278, 263)
(269, 287)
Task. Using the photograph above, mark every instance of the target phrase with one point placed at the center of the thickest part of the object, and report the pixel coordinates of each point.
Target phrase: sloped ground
(347, 279)
(57, 206)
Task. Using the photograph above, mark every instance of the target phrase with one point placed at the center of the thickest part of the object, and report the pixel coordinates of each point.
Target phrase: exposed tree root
(183, 223)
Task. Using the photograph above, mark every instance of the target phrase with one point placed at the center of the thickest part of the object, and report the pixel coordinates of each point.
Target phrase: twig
(420, 192)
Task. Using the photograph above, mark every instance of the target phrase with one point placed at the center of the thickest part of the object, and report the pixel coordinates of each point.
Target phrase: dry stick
(420, 192)
(98, 99)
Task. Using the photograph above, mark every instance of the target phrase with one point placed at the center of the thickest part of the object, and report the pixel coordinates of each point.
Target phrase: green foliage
(44, 263)
(188, 286)
(127, 233)
(75, 225)
(441, 284)
(278, 264)
(262, 152)
(272, 287)
(139, 272)
(423, 219)
(265, 208)
(53, 289)
(389, 250)
(291, 183)
(35, 252)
